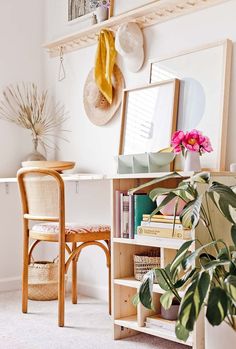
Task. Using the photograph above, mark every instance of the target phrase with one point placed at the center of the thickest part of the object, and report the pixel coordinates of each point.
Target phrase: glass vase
(35, 155)
(192, 161)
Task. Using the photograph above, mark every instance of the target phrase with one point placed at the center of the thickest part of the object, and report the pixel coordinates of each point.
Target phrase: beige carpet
(88, 326)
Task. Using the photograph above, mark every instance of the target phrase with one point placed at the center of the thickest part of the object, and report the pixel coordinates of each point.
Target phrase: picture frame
(204, 73)
(148, 117)
(81, 10)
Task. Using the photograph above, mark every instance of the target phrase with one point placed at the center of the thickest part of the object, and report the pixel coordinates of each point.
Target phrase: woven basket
(43, 281)
(144, 262)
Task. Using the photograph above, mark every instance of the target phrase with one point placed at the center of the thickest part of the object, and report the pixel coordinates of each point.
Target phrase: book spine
(117, 214)
(160, 216)
(131, 217)
(125, 217)
(177, 221)
(161, 225)
(163, 233)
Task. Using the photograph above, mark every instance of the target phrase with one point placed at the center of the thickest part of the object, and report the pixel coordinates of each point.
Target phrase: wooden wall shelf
(154, 13)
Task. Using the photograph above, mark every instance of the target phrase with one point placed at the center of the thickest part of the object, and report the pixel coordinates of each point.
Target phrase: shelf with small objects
(130, 319)
(147, 15)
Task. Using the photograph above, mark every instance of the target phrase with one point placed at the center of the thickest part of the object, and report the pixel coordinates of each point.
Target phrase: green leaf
(225, 200)
(191, 213)
(180, 256)
(159, 191)
(154, 181)
(233, 234)
(163, 279)
(135, 300)
(145, 291)
(206, 258)
(217, 306)
(190, 260)
(230, 283)
(181, 282)
(193, 300)
(203, 177)
(215, 264)
(166, 299)
(181, 332)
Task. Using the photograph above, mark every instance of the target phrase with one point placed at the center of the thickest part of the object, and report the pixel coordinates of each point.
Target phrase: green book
(142, 205)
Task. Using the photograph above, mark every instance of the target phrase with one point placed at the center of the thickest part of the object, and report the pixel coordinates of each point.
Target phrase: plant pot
(171, 313)
(219, 337)
(192, 161)
(101, 13)
(169, 209)
(35, 155)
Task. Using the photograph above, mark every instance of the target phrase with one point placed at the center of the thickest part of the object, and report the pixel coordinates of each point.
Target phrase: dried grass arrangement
(27, 107)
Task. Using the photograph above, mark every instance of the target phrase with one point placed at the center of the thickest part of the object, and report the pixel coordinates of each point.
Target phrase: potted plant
(29, 108)
(209, 273)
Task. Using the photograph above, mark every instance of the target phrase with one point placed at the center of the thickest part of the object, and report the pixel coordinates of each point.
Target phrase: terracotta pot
(169, 209)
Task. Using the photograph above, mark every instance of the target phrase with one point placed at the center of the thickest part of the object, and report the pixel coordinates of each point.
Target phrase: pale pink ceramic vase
(169, 209)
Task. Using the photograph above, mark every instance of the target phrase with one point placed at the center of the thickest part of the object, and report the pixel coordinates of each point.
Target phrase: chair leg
(25, 267)
(74, 277)
(109, 287)
(61, 285)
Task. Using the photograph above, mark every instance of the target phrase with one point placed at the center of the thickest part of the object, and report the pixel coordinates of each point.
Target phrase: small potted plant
(101, 9)
(208, 276)
(191, 144)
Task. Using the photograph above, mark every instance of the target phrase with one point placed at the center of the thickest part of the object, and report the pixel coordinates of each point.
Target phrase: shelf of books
(136, 233)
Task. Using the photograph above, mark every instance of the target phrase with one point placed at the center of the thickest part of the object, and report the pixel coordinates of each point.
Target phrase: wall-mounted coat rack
(154, 13)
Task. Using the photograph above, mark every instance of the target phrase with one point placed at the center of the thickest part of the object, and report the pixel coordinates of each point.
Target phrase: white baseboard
(10, 284)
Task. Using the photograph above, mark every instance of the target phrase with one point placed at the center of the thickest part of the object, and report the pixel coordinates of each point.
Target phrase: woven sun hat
(97, 108)
(129, 44)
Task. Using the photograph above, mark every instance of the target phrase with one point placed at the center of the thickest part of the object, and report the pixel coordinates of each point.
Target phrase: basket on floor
(144, 262)
(43, 281)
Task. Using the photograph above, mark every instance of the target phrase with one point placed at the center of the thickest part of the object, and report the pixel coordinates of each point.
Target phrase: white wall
(21, 31)
(93, 148)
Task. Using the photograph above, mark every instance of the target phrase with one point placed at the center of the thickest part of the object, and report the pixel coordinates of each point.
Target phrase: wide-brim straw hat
(97, 108)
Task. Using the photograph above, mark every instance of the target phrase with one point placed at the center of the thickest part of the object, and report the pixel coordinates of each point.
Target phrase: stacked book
(129, 210)
(160, 226)
(156, 322)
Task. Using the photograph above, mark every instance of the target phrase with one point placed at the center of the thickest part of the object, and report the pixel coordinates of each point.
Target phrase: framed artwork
(149, 115)
(204, 75)
(78, 9)
(83, 9)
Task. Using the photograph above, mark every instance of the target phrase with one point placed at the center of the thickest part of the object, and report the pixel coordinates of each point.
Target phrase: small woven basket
(43, 281)
(144, 262)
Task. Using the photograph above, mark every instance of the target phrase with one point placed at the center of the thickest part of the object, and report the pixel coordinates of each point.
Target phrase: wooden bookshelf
(129, 320)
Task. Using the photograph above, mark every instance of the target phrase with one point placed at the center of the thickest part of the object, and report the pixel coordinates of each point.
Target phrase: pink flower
(176, 141)
(192, 140)
(206, 145)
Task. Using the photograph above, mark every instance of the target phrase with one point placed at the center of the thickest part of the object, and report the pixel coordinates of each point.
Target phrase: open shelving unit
(129, 320)
(157, 12)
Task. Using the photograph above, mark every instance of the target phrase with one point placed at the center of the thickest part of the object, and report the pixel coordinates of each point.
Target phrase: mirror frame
(175, 104)
(225, 88)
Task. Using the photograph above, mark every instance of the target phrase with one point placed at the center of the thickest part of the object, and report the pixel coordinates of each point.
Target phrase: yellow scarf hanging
(104, 63)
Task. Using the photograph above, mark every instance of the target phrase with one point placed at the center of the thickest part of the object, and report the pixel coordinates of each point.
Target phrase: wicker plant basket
(144, 262)
(43, 280)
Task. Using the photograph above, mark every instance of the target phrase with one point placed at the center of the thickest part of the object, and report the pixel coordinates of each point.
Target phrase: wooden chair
(43, 199)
